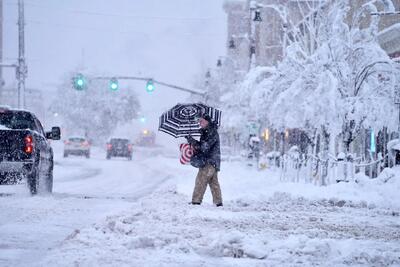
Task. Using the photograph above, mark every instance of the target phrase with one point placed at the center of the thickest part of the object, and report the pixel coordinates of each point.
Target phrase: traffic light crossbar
(149, 86)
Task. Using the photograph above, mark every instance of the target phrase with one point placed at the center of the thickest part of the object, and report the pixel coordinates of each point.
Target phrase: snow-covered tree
(95, 111)
(335, 77)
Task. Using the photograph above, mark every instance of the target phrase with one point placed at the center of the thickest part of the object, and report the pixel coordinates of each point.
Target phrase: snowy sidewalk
(263, 223)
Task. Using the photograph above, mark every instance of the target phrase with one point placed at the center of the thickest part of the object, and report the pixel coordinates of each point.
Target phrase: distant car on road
(76, 145)
(119, 147)
(146, 138)
(25, 151)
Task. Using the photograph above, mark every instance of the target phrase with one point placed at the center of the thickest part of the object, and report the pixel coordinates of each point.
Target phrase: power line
(98, 29)
(92, 13)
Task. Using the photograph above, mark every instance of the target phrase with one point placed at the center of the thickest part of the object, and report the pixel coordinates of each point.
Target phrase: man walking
(207, 157)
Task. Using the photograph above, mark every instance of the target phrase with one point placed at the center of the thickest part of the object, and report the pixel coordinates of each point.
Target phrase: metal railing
(313, 169)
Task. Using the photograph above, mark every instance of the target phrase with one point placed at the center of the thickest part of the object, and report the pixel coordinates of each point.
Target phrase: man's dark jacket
(207, 150)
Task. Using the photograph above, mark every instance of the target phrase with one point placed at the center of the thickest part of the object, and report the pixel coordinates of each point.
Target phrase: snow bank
(163, 230)
(241, 182)
(264, 222)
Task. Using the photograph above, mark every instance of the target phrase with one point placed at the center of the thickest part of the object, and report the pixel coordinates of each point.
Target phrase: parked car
(77, 145)
(25, 151)
(119, 147)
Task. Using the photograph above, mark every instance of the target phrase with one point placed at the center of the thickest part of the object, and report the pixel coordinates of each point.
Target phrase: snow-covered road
(135, 213)
(85, 191)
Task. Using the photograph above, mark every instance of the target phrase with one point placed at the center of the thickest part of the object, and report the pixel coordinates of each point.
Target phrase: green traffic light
(114, 84)
(79, 82)
(150, 86)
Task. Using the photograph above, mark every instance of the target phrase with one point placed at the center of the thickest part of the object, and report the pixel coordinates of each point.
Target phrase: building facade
(272, 33)
(238, 41)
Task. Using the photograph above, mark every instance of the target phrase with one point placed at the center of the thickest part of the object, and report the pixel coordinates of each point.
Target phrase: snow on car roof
(120, 138)
(18, 109)
(76, 137)
(2, 127)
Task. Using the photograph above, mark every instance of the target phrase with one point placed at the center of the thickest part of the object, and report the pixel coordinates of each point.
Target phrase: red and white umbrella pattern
(186, 153)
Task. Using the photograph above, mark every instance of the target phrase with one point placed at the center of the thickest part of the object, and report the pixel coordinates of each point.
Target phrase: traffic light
(113, 84)
(150, 86)
(79, 82)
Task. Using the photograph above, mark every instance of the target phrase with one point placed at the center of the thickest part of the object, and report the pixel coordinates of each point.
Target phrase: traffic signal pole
(195, 92)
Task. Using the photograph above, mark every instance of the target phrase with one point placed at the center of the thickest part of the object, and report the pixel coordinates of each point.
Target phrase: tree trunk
(324, 156)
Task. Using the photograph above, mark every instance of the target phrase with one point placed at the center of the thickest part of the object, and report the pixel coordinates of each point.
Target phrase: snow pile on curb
(239, 182)
(163, 230)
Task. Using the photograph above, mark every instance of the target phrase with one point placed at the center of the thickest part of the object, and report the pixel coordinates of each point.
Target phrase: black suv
(119, 147)
(25, 151)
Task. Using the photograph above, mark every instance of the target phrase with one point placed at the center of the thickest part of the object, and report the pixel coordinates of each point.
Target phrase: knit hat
(207, 117)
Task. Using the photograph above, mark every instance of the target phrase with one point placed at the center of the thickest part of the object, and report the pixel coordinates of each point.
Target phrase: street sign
(373, 145)
(253, 127)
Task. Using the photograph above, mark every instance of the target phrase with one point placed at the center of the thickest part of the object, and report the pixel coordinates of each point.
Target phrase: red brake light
(109, 146)
(28, 139)
(85, 143)
(130, 147)
(28, 144)
(28, 149)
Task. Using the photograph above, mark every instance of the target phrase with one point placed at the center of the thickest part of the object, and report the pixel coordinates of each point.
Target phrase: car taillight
(67, 142)
(28, 144)
(130, 147)
(109, 146)
(86, 144)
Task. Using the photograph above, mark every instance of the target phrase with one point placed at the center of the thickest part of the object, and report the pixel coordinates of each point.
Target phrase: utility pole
(21, 69)
(1, 46)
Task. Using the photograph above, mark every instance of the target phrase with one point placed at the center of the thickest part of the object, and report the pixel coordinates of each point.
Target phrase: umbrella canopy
(183, 119)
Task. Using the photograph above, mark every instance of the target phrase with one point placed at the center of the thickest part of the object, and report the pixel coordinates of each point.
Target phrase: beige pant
(207, 175)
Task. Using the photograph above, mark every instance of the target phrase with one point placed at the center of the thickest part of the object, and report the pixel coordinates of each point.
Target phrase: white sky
(171, 40)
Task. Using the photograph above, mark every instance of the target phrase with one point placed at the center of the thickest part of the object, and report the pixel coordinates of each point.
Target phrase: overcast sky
(170, 40)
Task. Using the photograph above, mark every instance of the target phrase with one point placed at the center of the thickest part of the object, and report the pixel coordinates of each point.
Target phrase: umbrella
(182, 119)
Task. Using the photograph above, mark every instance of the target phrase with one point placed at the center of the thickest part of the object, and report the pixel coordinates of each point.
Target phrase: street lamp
(232, 44)
(232, 63)
(208, 74)
(254, 7)
(207, 79)
(257, 16)
(285, 27)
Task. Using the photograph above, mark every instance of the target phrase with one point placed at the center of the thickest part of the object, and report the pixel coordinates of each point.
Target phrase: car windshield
(77, 139)
(17, 120)
(119, 141)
